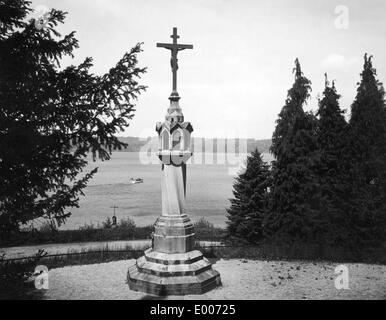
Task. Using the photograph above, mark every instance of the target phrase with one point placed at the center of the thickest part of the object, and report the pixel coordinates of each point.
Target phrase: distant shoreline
(135, 144)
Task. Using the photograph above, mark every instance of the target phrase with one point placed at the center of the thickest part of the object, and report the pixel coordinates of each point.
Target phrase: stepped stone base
(172, 274)
(172, 267)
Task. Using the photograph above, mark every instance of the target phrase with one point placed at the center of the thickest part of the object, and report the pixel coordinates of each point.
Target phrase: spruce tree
(333, 164)
(367, 150)
(52, 117)
(249, 205)
(296, 198)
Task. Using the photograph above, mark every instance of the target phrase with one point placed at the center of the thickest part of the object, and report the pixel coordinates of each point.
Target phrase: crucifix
(173, 239)
(114, 207)
(114, 216)
(174, 48)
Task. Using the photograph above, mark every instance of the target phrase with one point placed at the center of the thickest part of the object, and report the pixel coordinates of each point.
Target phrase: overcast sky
(235, 80)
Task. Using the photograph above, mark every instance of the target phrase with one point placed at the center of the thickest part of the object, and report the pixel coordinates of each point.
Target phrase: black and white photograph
(200, 150)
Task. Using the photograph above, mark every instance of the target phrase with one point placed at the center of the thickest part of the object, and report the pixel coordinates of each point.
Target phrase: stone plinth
(172, 274)
(172, 267)
(173, 234)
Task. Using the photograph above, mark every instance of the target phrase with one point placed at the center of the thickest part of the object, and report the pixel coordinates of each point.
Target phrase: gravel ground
(241, 279)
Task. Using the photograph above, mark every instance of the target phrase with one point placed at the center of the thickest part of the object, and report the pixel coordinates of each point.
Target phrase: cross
(114, 207)
(174, 48)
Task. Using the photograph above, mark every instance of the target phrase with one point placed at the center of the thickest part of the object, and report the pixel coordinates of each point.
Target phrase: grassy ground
(269, 252)
(298, 251)
(126, 230)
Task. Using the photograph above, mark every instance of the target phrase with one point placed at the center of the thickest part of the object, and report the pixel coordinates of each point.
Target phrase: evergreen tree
(51, 118)
(367, 150)
(333, 163)
(296, 195)
(249, 205)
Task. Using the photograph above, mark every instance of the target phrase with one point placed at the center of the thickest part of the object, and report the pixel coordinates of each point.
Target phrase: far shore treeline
(135, 144)
(327, 184)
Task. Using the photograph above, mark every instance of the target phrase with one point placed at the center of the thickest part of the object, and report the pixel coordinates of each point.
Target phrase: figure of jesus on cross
(174, 48)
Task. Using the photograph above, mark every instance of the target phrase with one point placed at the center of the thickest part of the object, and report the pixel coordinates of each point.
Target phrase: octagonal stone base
(173, 234)
(172, 266)
(172, 274)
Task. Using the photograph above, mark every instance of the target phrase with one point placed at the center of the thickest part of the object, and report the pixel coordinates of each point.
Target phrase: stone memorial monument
(172, 266)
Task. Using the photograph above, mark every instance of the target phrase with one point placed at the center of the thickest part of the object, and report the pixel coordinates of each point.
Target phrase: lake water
(209, 187)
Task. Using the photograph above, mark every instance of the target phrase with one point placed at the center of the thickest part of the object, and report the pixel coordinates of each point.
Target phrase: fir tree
(51, 118)
(296, 194)
(249, 205)
(333, 164)
(367, 150)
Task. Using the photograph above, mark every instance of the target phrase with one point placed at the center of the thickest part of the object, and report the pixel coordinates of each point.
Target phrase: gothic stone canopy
(172, 126)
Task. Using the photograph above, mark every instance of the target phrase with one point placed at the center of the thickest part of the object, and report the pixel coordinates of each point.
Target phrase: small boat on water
(134, 181)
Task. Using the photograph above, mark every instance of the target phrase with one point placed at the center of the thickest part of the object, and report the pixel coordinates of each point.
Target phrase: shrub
(127, 223)
(207, 231)
(15, 274)
(107, 224)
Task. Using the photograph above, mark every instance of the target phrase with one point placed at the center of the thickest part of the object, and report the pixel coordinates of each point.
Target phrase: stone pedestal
(173, 274)
(172, 267)
(173, 234)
